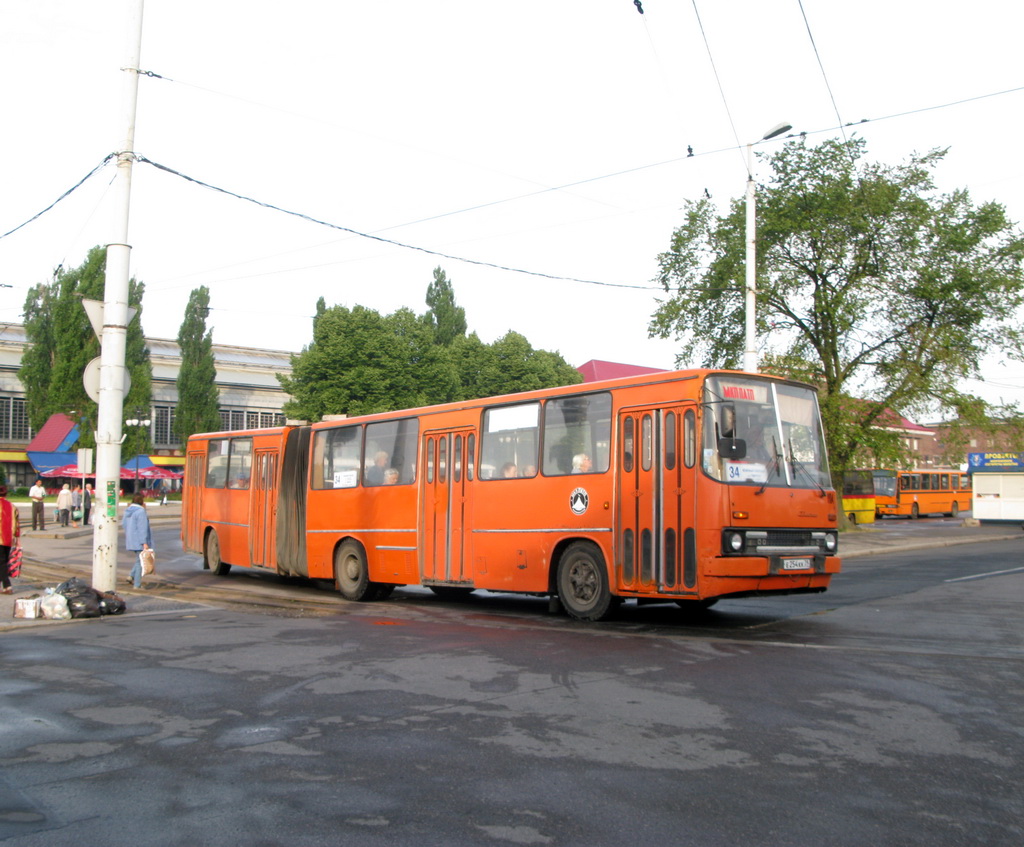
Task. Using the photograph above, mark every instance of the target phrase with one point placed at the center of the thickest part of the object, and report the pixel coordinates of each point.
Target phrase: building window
(14, 420)
(163, 426)
(231, 419)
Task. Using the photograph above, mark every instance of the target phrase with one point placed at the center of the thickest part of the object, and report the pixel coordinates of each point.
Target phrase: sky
(536, 151)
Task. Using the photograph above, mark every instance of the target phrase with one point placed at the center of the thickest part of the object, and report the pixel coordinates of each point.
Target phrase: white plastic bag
(148, 558)
(55, 607)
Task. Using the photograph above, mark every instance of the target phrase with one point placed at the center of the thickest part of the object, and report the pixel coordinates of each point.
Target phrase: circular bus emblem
(579, 500)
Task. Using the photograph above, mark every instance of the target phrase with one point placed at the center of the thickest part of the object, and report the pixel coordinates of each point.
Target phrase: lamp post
(750, 334)
(138, 420)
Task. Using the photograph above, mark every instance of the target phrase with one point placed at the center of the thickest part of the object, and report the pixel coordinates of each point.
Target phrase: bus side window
(689, 438)
(577, 434)
(670, 441)
(509, 437)
(240, 464)
(217, 463)
(336, 458)
(391, 452)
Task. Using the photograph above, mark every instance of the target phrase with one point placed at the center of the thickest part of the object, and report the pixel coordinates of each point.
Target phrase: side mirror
(732, 448)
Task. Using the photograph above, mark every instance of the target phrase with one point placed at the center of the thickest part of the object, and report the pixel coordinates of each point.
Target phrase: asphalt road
(885, 712)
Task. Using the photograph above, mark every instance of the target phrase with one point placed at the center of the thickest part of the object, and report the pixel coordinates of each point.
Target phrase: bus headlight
(831, 542)
(734, 541)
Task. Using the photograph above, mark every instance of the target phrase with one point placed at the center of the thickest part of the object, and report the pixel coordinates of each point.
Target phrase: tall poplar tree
(198, 398)
(62, 343)
(447, 318)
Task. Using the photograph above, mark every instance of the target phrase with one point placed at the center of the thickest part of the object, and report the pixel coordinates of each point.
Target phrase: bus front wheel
(217, 566)
(955, 510)
(583, 583)
(915, 512)
(351, 574)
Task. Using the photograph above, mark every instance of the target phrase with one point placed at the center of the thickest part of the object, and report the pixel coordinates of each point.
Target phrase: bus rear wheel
(582, 583)
(217, 566)
(953, 512)
(352, 576)
(915, 512)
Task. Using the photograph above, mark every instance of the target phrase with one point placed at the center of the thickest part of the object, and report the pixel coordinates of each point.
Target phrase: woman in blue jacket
(138, 535)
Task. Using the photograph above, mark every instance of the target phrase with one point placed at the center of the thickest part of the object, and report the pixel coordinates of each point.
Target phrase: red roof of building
(596, 369)
(53, 435)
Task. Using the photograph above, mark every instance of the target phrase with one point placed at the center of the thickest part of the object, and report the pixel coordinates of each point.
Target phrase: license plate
(797, 564)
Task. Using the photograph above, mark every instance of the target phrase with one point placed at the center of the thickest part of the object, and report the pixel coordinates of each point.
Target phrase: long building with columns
(250, 396)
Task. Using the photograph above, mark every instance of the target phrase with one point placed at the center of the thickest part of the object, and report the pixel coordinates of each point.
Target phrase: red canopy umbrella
(154, 472)
(64, 470)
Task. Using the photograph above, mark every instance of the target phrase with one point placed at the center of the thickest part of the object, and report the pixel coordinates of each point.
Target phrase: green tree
(447, 319)
(511, 364)
(361, 362)
(62, 343)
(198, 398)
(870, 284)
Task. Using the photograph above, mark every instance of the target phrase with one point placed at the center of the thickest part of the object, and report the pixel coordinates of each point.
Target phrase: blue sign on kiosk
(995, 462)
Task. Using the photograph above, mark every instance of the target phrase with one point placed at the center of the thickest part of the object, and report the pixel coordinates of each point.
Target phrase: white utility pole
(750, 289)
(750, 332)
(115, 330)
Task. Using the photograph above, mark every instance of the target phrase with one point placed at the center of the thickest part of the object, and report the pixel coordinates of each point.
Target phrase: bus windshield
(885, 484)
(760, 432)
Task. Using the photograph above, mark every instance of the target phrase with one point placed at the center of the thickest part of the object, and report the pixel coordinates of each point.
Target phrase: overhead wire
(906, 113)
(66, 194)
(718, 81)
(383, 240)
(821, 67)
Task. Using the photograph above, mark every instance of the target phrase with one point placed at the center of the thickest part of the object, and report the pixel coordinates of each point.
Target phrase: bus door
(448, 464)
(195, 479)
(657, 455)
(263, 509)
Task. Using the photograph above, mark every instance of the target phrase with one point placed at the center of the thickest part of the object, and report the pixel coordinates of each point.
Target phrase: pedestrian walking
(10, 535)
(86, 504)
(37, 494)
(76, 504)
(64, 504)
(138, 535)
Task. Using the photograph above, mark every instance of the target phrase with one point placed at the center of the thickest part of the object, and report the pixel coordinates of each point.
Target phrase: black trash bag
(73, 587)
(84, 605)
(82, 599)
(110, 603)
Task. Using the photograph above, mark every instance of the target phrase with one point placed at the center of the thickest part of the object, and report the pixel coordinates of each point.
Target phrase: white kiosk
(998, 486)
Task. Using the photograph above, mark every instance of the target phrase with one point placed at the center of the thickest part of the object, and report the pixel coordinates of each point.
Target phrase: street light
(138, 420)
(750, 335)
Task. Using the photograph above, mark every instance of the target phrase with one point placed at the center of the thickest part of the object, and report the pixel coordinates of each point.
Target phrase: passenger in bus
(581, 463)
(509, 471)
(375, 473)
(391, 476)
(529, 471)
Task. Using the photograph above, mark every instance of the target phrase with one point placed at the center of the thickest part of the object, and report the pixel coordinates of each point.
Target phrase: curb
(922, 545)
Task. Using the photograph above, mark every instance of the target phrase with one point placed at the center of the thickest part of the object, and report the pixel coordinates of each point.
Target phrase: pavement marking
(983, 575)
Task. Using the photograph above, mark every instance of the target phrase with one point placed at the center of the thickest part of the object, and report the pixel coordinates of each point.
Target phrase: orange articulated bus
(682, 486)
(916, 493)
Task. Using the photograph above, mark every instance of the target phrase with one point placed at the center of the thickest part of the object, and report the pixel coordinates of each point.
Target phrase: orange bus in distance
(915, 493)
(684, 486)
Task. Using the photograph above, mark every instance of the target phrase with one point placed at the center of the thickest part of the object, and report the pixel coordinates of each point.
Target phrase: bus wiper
(798, 467)
(774, 465)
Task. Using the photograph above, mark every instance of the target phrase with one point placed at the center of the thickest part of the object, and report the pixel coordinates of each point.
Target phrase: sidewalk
(72, 546)
(60, 546)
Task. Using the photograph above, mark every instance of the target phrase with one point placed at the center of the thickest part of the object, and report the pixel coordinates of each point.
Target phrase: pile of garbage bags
(74, 598)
